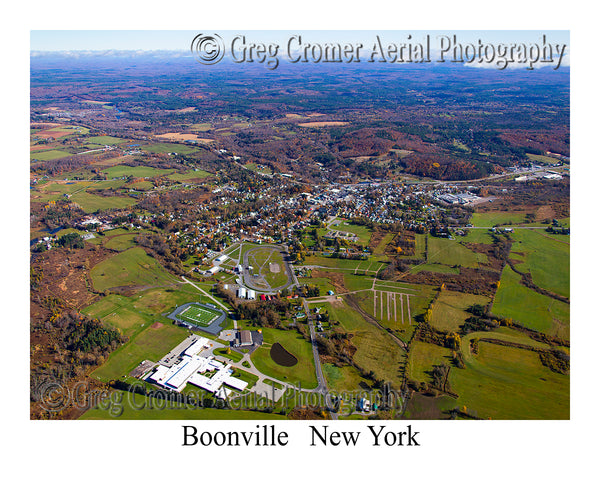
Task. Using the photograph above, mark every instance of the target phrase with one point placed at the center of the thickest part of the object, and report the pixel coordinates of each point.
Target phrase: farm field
(542, 158)
(105, 140)
(90, 203)
(131, 267)
(451, 252)
(137, 172)
(376, 351)
(545, 258)
(529, 308)
(423, 357)
(121, 242)
(510, 383)
(490, 219)
(169, 148)
(180, 177)
(48, 155)
(449, 310)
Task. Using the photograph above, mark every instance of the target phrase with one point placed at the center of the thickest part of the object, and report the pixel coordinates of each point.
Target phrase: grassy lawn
(129, 406)
(148, 344)
(525, 306)
(232, 355)
(293, 342)
(509, 383)
(131, 267)
(449, 309)
(92, 203)
(137, 172)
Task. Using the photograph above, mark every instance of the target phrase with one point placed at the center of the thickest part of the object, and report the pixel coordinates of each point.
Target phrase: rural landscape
(344, 242)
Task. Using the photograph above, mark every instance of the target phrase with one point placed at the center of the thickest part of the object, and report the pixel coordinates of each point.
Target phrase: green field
(545, 258)
(121, 242)
(451, 252)
(149, 344)
(198, 315)
(104, 140)
(376, 351)
(90, 203)
(293, 342)
(324, 284)
(131, 267)
(422, 358)
(531, 309)
(363, 233)
(169, 148)
(341, 379)
(542, 159)
(194, 174)
(449, 310)
(49, 155)
(491, 219)
(137, 172)
(510, 383)
(129, 314)
(128, 406)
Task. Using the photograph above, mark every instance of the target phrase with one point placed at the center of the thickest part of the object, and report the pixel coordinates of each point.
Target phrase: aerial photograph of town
(350, 226)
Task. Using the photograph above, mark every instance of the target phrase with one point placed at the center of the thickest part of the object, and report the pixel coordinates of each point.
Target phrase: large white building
(190, 369)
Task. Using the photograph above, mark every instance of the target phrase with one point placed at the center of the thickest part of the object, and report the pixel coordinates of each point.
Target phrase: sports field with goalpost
(198, 315)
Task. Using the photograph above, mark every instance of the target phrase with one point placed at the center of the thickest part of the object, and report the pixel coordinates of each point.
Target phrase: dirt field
(322, 124)
(180, 137)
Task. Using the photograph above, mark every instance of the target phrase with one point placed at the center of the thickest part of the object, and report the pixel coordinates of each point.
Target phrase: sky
(61, 40)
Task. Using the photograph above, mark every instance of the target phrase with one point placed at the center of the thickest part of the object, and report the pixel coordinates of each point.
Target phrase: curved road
(248, 279)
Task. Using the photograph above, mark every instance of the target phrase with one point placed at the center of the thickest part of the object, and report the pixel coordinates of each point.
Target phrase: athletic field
(198, 315)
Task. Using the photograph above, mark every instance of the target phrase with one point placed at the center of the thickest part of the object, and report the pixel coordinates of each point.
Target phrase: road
(322, 383)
